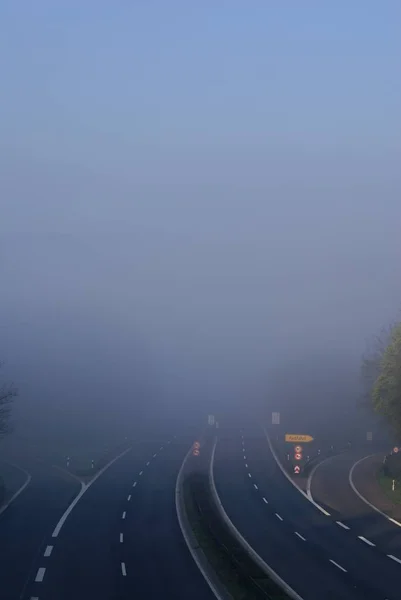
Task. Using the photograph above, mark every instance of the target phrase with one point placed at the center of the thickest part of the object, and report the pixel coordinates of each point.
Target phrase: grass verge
(386, 483)
(243, 579)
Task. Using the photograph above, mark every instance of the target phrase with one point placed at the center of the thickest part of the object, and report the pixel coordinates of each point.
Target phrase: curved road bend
(122, 540)
(306, 548)
(330, 486)
(27, 522)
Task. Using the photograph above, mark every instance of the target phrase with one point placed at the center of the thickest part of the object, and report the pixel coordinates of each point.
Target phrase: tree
(386, 390)
(371, 362)
(7, 395)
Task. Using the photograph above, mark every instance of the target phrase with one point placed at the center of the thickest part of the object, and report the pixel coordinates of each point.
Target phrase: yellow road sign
(298, 437)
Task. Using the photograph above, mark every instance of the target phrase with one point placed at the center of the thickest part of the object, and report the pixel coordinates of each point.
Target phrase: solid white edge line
(394, 558)
(315, 468)
(279, 516)
(123, 569)
(322, 510)
(40, 574)
(300, 536)
(247, 547)
(342, 525)
(337, 565)
(363, 539)
(48, 551)
(20, 490)
(84, 488)
(124, 515)
(358, 493)
(121, 538)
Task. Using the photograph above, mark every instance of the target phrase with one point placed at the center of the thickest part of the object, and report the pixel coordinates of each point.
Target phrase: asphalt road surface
(309, 550)
(27, 522)
(330, 487)
(122, 539)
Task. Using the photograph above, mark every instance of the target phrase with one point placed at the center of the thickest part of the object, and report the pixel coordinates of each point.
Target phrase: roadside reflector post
(393, 485)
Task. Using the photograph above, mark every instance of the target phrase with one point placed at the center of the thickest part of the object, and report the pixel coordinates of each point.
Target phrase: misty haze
(200, 215)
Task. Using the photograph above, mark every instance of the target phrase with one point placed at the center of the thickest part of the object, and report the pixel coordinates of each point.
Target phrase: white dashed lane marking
(255, 486)
(148, 463)
(124, 515)
(333, 562)
(48, 551)
(140, 472)
(363, 539)
(129, 498)
(394, 558)
(279, 517)
(40, 574)
(265, 501)
(249, 475)
(342, 525)
(246, 465)
(123, 569)
(154, 456)
(134, 484)
(301, 537)
(121, 537)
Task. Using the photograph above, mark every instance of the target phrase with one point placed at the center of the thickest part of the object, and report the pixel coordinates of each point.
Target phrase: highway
(25, 524)
(330, 486)
(122, 539)
(309, 550)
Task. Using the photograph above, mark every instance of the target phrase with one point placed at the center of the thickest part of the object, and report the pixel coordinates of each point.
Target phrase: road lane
(27, 523)
(310, 574)
(84, 560)
(122, 539)
(157, 559)
(330, 486)
(372, 571)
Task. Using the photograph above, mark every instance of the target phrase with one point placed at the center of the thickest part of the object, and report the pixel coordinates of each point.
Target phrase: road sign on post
(298, 449)
(298, 456)
(210, 419)
(297, 469)
(369, 436)
(298, 437)
(275, 418)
